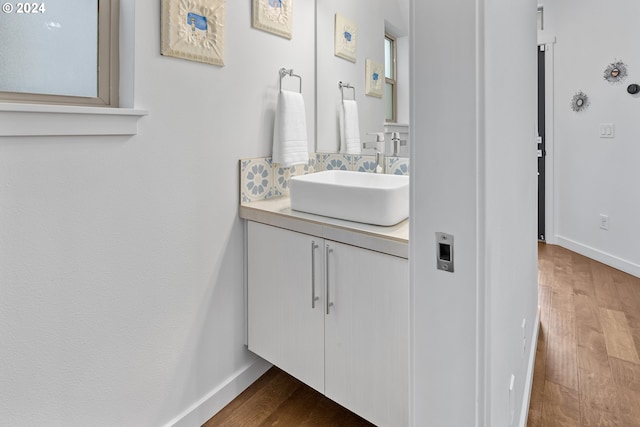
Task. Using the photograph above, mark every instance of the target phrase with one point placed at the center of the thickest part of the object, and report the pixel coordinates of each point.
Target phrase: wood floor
(278, 399)
(587, 370)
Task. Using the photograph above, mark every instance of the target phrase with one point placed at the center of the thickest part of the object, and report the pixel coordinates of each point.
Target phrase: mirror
(373, 18)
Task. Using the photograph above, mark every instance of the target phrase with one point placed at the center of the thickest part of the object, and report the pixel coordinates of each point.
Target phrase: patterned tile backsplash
(261, 179)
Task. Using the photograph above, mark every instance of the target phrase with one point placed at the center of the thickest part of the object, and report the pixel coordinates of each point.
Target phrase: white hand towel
(349, 128)
(290, 145)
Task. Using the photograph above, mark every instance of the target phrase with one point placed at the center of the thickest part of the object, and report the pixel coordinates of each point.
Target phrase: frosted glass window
(388, 58)
(390, 78)
(51, 49)
(388, 96)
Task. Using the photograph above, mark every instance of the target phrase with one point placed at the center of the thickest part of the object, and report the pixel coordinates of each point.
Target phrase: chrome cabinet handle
(314, 298)
(328, 303)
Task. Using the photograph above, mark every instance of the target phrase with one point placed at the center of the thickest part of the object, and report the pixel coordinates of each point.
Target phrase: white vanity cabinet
(367, 334)
(355, 349)
(283, 327)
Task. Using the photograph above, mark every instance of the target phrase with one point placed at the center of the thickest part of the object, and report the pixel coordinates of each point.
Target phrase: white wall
(509, 246)
(444, 149)
(403, 97)
(474, 177)
(121, 258)
(332, 69)
(596, 176)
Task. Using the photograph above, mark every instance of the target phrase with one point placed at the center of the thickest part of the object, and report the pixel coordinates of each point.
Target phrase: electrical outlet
(604, 222)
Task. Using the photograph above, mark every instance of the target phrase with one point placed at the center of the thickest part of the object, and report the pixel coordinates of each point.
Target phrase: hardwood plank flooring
(593, 313)
(587, 369)
(278, 399)
(618, 335)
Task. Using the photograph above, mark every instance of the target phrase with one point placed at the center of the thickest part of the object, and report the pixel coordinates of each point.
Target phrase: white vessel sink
(371, 198)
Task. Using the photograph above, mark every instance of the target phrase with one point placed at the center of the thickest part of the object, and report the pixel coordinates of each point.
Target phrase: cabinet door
(367, 334)
(283, 327)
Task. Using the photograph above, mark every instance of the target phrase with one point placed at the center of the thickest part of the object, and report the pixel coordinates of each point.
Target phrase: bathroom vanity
(328, 302)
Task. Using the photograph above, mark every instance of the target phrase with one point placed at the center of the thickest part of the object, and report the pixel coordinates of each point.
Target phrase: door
(541, 144)
(285, 301)
(367, 333)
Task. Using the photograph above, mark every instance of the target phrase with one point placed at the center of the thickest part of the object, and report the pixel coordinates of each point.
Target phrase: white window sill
(57, 120)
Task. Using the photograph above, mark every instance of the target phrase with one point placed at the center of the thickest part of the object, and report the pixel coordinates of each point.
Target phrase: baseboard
(526, 401)
(218, 398)
(598, 255)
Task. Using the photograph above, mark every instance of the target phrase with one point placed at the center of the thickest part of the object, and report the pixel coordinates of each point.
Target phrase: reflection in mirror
(374, 19)
(390, 71)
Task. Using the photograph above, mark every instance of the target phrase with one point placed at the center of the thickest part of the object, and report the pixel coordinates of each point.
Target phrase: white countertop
(393, 240)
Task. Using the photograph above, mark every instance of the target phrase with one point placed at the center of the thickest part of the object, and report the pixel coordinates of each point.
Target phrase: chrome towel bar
(289, 72)
(344, 86)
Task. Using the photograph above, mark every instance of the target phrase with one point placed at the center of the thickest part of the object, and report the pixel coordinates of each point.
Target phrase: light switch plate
(607, 130)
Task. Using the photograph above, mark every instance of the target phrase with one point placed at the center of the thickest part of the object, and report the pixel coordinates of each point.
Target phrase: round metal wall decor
(615, 72)
(579, 102)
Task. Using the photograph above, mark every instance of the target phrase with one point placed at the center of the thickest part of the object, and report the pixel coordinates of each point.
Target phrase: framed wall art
(194, 30)
(273, 16)
(346, 38)
(374, 78)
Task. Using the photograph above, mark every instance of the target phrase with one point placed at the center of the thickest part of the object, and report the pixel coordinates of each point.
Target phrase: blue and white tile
(281, 176)
(398, 165)
(320, 159)
(355, 159)
(365, 164)
(256, 179)
(313, 163)
(336, 162)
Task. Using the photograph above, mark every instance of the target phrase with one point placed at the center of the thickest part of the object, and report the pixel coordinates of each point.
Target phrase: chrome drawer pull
(314, 298)
(328, 303)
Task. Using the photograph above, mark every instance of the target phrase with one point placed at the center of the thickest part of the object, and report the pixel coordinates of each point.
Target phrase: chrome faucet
(397, 143)
(378, 146)
(381, 164)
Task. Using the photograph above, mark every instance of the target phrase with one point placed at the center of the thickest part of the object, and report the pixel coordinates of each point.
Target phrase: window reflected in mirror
(390, 78)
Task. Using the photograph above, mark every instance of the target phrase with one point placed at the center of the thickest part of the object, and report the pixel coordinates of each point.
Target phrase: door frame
(550, 215)
(541, 139)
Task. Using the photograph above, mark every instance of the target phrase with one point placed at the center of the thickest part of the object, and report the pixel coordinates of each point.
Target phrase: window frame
(393, 81)
(108, 66)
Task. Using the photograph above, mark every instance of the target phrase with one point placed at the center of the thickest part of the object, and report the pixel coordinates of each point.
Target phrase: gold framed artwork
(374, 78)
(346, 38)
(194, 30)
(273, 16)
